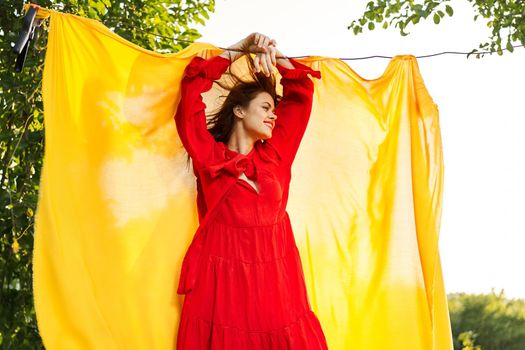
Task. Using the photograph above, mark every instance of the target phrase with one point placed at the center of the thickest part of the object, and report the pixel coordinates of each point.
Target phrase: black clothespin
(26, 35)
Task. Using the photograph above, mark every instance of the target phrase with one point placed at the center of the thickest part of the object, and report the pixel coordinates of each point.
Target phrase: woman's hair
(240, 92)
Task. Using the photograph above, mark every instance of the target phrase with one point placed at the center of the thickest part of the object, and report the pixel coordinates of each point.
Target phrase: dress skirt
(250, 292)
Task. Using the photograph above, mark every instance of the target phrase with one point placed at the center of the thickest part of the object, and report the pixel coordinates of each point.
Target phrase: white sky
(482, 242)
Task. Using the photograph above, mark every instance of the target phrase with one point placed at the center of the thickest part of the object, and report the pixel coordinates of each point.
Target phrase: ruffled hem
(230, 242)
(197, 334)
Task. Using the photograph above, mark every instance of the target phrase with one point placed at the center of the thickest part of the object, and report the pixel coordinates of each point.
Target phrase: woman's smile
(270, 125)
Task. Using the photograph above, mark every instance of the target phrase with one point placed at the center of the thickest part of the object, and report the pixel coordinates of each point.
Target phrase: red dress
(242, 274)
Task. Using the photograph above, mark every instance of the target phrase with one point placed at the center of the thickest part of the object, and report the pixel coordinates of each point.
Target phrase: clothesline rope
(342, 58)
(357, 58)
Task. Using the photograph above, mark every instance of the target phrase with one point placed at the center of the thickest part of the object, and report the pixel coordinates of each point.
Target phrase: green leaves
(504, 17)
(97, 8)
(490, 320)
(509, 46)
(437, 16)
(449, 10)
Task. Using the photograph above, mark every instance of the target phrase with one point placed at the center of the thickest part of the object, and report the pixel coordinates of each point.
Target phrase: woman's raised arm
(190, 118)
(293, 111)
(199, 74)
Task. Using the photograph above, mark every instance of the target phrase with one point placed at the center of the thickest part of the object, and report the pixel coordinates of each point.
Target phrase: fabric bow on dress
(235, 166)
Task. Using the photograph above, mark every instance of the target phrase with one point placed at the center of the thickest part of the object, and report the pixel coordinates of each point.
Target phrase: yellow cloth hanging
(117, 206)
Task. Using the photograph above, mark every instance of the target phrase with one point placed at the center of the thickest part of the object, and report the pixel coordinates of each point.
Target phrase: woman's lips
(270, 125)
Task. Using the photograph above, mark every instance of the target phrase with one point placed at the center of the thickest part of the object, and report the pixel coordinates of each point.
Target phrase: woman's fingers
(251, 43)
(264, 64)
(265, 52)
(261, 63)
(257, 43)
(264, 43)
(256, 63)
(269, 63)
(272, 53)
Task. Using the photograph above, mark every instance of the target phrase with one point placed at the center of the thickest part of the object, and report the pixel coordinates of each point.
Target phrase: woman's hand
(253, 43)
(272, 57)
(266, 60)
(256, 43)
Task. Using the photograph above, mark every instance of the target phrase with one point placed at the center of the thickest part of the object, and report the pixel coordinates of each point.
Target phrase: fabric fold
(301, 71)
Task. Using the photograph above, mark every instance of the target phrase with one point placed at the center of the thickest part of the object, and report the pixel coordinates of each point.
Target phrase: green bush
(489, 320)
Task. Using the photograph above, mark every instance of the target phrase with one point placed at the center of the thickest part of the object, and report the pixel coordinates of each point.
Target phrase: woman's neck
(244, 146)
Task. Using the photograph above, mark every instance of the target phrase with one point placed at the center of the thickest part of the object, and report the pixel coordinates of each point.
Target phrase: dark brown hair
(239, 92)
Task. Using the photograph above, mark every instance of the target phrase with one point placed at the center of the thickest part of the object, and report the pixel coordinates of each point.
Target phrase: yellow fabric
(117, 207)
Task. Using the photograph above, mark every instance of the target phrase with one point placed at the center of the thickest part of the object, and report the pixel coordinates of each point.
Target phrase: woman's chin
(265, 135)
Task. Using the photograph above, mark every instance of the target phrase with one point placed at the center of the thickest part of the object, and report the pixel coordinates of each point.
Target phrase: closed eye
(266, 107)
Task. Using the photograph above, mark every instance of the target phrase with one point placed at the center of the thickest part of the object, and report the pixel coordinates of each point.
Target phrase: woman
(242, 275)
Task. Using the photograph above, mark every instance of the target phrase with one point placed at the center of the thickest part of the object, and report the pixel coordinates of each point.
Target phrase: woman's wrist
(234, 51)
(283, 60)
(231, 53)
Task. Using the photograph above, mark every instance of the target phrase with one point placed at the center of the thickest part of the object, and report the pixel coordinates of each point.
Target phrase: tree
(493, 321)
(22, 132)
(505, 17)
(467, 340)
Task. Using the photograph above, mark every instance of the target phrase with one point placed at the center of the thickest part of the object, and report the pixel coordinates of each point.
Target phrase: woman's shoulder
(270, 155)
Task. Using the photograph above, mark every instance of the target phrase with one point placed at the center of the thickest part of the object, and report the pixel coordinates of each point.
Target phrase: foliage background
(506, 19)
(22, 131)
(490, 321)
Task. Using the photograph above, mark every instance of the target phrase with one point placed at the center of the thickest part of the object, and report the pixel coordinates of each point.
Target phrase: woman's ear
(238, 112)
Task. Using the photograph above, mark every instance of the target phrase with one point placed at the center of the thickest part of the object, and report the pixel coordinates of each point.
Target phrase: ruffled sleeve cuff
(299, 71)
(211, 68)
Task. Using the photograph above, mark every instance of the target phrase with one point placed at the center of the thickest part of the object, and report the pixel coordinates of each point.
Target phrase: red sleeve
(190, 117)
(293, 111)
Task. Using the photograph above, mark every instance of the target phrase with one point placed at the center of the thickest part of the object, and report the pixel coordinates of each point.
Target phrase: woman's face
(258, 120)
